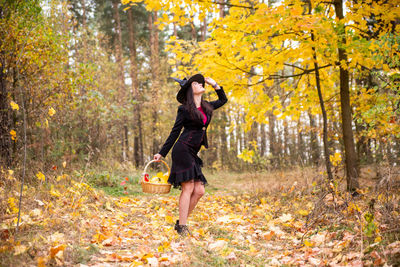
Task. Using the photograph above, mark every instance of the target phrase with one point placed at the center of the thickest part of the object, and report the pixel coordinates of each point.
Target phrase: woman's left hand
(211, 82)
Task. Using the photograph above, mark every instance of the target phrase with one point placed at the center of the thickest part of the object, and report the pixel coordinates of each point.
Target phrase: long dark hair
(191, 106)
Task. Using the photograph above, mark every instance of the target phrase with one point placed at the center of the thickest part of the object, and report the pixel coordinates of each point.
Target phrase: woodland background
(85, 88)
(89, 80)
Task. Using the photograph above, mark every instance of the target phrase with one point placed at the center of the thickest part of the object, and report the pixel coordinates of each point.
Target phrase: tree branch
(228, 4)
(291, 65)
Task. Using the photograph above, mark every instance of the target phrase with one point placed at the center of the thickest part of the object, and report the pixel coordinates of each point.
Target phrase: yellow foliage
(247, 155)
(54, 192)
(336, 158)
(14, 105)
(41, 176)
(51, 111)
(12, 206)
(13, 135)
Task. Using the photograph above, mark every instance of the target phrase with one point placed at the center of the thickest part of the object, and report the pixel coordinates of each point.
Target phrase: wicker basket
(154, 188)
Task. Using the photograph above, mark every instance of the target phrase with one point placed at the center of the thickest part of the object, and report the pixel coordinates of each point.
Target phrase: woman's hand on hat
(157, 157)
(211, 82)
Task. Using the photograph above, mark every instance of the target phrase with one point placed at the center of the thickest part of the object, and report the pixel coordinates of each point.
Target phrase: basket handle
(151, 161)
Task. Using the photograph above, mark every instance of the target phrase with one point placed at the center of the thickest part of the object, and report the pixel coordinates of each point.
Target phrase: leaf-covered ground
(243, 220)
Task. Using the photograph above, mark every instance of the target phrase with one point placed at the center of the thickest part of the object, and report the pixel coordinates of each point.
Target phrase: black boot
(176, 225)
(183, 230)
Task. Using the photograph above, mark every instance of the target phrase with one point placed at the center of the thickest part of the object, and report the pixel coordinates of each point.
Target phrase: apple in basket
(146, 177)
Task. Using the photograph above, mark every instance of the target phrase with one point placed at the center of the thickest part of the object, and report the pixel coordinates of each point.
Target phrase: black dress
(186, 165)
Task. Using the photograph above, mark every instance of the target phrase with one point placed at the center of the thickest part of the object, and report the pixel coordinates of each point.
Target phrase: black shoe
(176, 225)
(183, 230)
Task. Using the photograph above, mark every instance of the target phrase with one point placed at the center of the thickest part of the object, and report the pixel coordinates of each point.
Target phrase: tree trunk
(315, 151)
(120, 82)
(193, 31)
(137, 121)
(349, 147)
(221, 8)
(285, 143)
(84, 27)
(300, 144)
(175, 30)
(322, 105)
(223, 138)
(5, 139)
(263, 143)
(272, 140)
(155, 75)
(363, 149)
(204, 30)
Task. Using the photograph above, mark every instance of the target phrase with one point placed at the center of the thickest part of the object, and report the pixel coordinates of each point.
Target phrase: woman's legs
(184, 200)
(190, 195)
(198, 192)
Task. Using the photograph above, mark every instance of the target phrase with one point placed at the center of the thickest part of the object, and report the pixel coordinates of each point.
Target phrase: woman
(194, 115)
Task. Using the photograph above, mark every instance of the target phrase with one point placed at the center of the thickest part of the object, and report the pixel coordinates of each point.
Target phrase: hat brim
(181, 96)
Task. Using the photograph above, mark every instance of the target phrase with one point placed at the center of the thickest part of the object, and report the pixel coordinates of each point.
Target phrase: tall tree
(137, 113)
(121, 76)
(5, 140)
(347, 129)
(155, 74)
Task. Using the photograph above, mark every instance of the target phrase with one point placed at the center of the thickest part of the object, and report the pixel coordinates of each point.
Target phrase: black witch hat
(185, 85)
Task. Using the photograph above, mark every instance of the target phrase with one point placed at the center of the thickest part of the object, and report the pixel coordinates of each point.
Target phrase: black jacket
(195, 132)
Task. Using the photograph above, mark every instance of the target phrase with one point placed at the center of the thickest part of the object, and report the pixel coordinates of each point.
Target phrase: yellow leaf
(252, 249)
(13, 135)
(14, 105)
(308, 243)
(108, 206)
(169, 219)
(40, 176)
(303, 212)
(54, 192)
(64, 164)
(51, 112)
(276, 112)
(12, 205)
(46, 123)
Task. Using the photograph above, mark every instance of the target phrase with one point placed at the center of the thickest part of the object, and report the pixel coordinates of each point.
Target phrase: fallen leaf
(285, 218)
(169, 219)
(41, 261)
(308, 243)
(57, 238)
(56, 249)
(219, 244)
(20, 249)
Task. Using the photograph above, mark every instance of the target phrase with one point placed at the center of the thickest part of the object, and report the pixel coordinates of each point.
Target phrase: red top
(204, 115)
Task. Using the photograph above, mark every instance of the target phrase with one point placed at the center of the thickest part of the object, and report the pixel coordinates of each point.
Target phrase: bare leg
(184, 201)
(198, 192)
